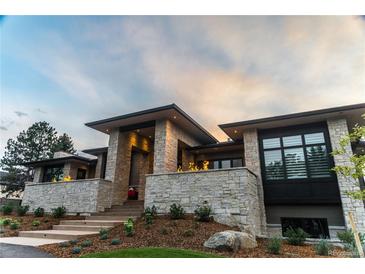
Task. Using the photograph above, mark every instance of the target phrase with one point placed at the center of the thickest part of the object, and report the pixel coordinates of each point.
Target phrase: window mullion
(283, 157)
(306, 158)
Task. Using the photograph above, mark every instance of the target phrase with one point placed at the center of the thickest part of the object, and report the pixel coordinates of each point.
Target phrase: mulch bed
(165, 232)
(26, 223)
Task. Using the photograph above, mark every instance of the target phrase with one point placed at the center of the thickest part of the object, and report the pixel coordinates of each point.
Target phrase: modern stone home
(272, 173)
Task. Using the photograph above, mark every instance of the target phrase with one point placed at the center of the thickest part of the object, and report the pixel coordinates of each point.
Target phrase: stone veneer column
(165, 156)
(252, 162)
(38, 175)
(338, 128)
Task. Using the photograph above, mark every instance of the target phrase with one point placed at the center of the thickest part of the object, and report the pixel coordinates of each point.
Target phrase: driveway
(21, 251)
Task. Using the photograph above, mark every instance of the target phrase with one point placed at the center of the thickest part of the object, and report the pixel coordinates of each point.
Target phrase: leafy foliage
(296, 236)
(356, 169)
(76, 250)
(322, 248)
(7, 209)
(274, 245)
(348, 239)
(36, 223)
(176, 211)
(38, 142)
(22, 210)
(115, 241)
(103, 231)
(14, 225)
(6, 221)
(188, 233)
(58, 212)
(39, 212)
(203, 212)
(148, 214)
(64, 244)
(103, 237)
(86, 243)
(129, 228)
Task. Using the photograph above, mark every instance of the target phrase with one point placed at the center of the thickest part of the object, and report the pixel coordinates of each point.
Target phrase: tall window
(296, 156)
(53, 173)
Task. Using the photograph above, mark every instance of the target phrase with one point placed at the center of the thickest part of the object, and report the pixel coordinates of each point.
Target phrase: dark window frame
(290, 131)
(60, 166)
(300, 220)
(220, 162)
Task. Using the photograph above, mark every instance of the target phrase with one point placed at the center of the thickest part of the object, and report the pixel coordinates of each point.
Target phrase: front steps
(91, 225)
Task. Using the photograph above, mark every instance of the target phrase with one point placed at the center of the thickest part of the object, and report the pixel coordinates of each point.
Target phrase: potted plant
(132, 194)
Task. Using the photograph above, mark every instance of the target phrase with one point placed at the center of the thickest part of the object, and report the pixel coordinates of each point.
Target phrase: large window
(295, 156)
(224, 163)
(53, 173)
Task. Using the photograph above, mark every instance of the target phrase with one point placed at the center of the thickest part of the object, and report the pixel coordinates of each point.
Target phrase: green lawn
(151, 252)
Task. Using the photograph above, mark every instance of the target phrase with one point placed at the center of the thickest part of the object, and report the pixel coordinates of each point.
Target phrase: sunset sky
(71, 70)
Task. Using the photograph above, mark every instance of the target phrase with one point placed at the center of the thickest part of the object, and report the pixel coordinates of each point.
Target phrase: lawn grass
(151, 252)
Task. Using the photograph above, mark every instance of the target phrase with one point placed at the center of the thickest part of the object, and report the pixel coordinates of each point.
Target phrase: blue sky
(71, 70)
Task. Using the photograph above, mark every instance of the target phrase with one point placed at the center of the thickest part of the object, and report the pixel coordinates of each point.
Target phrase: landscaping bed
(26, 223)
(185, 234)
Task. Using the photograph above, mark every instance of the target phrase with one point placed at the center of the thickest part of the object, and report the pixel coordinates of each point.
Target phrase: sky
(69, 70)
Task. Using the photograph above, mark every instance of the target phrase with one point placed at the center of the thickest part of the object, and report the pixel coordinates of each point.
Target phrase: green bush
(58, 212)
(86, 243)
(64, 244)
(348, 239)
(322, 248)
(274, 245)
(116, 241)
(7, 209)
(129, 228)
(176, 211)
(188, 233)
(103, 236)
(203, 212)
(22, 210)
(296, 236)
(14, 225)
(148, 218)
(76, 250)
(103, 231)
(6, 221)
(74, 241)
(164, 231)
(39, 212)
(151, 210)
(36, 223)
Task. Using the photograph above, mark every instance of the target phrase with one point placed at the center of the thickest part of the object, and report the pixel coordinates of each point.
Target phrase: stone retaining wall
(232, 194)
(80, 196)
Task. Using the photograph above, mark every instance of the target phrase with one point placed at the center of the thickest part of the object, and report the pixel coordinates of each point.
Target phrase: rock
(230, 240)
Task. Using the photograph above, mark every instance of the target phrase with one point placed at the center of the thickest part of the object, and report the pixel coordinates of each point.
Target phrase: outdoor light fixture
(174, 117)
(235, 131)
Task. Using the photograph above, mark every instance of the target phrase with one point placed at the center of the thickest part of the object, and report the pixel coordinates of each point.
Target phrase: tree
(38, 142)
(356, 169)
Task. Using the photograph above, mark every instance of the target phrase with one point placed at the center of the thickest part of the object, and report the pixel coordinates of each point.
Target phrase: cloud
(3, 128)
(20, 113)
(40, 110)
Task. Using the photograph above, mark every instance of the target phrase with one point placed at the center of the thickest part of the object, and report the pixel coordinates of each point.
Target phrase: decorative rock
(231, 241)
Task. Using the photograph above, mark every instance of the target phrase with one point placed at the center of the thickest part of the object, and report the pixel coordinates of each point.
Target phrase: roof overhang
(63, 160)
(96, 151)
(351, 112)
(146, 117)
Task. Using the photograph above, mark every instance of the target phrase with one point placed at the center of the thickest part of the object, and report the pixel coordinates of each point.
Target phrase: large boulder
(230, 240)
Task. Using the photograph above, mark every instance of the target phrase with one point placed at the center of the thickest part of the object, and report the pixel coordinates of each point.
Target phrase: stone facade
(337, 129)
(167, 136)
(252, 162)
(38, 175)
(81, 196)
(232, 194)
(119, 161)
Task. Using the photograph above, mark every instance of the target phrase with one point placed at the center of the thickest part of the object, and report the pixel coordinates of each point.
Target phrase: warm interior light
(107, 130)
(150, 136)
(138, 130)
(174, 117)
(235, 131)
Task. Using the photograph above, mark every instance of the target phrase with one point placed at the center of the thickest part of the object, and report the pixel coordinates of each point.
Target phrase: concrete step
(117, 218)
(81, 227)
(118, 213)
(100, 222)
(56, 234)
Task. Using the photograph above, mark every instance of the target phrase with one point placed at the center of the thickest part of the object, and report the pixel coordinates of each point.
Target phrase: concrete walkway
(28, 241)
(20, 251)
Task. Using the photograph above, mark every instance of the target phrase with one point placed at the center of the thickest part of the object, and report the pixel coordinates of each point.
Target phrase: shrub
(76, 250)
(36, 223)
(103, 231)
(64, 244)
(348, 239)
(103, 237)
(129, 228)
(164, 231)
(296, 236)
(6, 221)
(14, 225)
(7, 209)
(74, 241)
(152, 210)
(322, 248)
(58, 212)
(274, 245)
(116, 241)
(176, 211)
(39, 212)
(86, 243)
(148, 218)
(22, 210)
(203, 212)
(188, 233)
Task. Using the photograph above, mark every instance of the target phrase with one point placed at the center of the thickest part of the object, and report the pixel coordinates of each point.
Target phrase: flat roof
(171, 112)
(95, 151)
(54, 161)
(351, 112)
